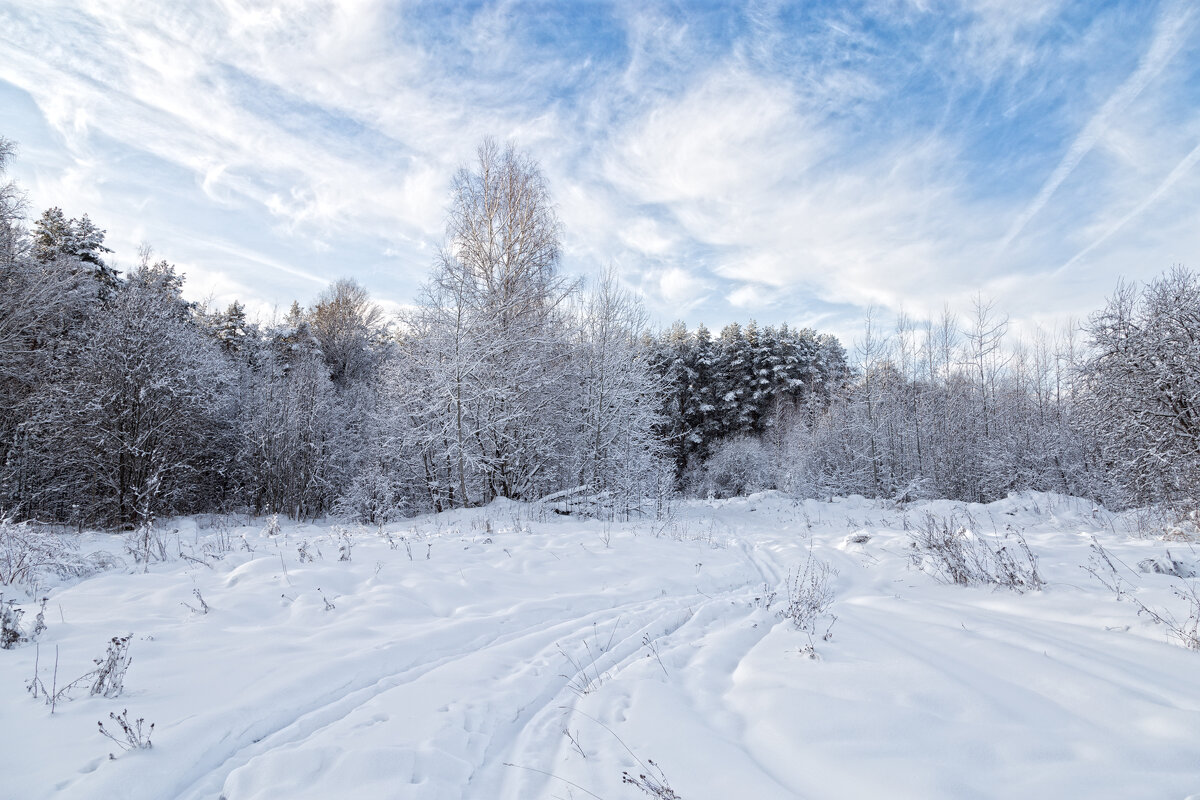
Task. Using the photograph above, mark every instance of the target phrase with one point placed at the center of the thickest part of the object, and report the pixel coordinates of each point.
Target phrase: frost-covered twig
(1186, 631)
(809, 598)
(202, 608)
(650, 779)
(652, 646)
(955, 554)
(109, 676)
(136, 734)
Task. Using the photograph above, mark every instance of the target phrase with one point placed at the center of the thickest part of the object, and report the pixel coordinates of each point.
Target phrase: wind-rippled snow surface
(508, 652)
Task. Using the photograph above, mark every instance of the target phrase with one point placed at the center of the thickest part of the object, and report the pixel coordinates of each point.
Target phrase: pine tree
(76, 241)
(232, 328)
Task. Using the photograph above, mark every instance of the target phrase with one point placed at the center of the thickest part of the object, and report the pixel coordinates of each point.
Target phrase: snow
(510, 652)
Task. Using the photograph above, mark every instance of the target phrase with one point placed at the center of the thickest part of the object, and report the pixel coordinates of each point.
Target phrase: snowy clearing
(508, 652)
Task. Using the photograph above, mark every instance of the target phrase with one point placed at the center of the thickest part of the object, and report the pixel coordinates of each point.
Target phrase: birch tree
(497, 306)
(617, 448)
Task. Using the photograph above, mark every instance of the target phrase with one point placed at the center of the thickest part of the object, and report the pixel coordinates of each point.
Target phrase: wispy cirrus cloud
(784, 161)
(1170, 34)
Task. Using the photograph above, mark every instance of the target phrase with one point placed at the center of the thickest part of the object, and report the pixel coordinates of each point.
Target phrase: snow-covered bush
(303, 553)
(39, 622)
(201, 606)
(26, 548)
(1167, 565)
(146, 544)
(652, 781)
(374, 496)
(108, 679)
(134, 735)
(1185, 630)
(953, 554)
(11, 633)
(1185, 528)
(737, 467)
(345, 545)
(809, 597)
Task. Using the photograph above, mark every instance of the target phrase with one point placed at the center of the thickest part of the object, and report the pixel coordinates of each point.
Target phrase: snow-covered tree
(750, 381)
(231, 328)
(495, 384)
(1142, 387)
(617, 450)
(13, 241)
(304, 437)
(75, 242)
(129, 420)
(44, 307)
(292, 453)
(351, 332)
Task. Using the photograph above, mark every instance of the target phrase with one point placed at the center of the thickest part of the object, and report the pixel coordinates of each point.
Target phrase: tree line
(121, 401)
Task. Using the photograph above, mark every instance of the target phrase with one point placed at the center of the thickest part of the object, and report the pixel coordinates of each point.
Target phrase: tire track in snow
(538, 732)
(320, 713)
(542, 734)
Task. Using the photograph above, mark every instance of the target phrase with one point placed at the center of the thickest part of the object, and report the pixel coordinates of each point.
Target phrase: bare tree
(985, 355)
(1142, 384)
(618, 451)
(873, 351)
(350, 330)
(13, 241)
(495, 383)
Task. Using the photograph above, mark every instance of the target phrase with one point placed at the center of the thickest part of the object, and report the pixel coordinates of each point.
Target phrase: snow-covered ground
(508, 652)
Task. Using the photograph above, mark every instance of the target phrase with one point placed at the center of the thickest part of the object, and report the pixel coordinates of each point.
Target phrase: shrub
(373, 497)
(134, 735)
(953, 554)
(738, 466)
(11, 633)
(109, 677)
(345, 545)
(652, 782)
(27, 548)
(1186, 630)
(809, 598)
(146, 545)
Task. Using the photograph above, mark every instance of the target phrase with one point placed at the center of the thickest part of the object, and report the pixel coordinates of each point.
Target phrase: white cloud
(751, 297)
(743, 166)
(776, 167)
(681, 290)
(1178, 172)
(730, 132)
(646, 236)
(1170, 34)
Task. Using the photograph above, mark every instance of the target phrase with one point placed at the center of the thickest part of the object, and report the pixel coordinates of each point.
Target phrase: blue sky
(776, 161)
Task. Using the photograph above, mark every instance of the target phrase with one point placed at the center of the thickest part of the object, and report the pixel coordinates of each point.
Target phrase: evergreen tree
(75, 241)
(232, 329)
